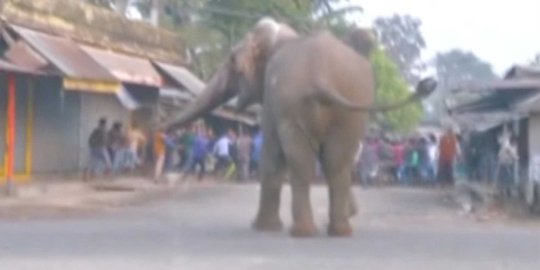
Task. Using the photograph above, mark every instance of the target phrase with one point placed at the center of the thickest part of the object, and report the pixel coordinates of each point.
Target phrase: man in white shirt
(433, 154)
(222, 153)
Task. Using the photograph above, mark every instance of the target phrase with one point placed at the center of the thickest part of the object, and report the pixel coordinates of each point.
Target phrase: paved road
(207, 228)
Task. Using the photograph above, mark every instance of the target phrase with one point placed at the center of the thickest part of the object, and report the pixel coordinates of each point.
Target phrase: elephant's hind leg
(337, 158)
(273, 172)
(300, 157)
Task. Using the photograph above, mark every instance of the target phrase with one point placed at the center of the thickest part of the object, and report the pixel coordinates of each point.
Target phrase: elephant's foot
(342, 229)
(268, 224)
(305, 229)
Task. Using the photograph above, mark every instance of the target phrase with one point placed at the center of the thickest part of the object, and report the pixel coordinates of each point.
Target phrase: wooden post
(11, 137)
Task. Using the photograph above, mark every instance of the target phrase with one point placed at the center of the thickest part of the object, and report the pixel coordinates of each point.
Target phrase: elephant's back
(295, 69)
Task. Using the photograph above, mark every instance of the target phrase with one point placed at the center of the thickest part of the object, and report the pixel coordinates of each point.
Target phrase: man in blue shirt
(256, 152)
(200, 149)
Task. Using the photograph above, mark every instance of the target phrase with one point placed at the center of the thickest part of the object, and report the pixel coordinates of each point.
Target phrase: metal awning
(65, 55)
(127, 69)
(503, 85)
(10, 67)
(182, 77)
(22, 55)
(485, 121)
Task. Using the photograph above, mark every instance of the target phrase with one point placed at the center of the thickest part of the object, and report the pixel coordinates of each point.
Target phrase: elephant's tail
(424, 88)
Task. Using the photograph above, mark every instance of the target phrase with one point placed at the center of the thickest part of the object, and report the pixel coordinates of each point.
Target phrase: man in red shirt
(448, 150)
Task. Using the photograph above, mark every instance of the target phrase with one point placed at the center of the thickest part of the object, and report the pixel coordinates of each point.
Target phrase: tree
(456, 68)
(392, 87)
(535, 62)
(403, 40)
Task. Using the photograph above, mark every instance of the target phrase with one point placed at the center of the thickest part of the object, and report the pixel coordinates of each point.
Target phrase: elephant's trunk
(216, 92)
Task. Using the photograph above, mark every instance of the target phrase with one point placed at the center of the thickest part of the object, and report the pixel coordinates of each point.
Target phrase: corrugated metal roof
(485, 121)
(65, 55)
(510, 84)
(518, 72)
(126, 68)
(7, 66)
(21, 54)
(183, 77)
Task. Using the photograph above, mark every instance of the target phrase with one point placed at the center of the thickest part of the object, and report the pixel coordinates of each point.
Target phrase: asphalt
(207, 227)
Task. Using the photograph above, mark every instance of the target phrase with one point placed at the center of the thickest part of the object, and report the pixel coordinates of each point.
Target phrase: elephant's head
(252, 55)
(242, 74)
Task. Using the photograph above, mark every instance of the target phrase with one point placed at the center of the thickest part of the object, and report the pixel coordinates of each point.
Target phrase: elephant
(316, 93)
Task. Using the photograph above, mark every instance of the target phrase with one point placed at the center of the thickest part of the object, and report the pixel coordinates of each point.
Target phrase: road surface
(207, 227)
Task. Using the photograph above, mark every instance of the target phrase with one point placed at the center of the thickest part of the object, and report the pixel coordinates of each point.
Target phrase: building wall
(61, 124)
(56, 127)
(534, 134)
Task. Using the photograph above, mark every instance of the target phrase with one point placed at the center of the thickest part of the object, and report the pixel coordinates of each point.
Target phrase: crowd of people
(439, 160)
(419, 159)
(192, 150)
(114, 151)
(196, 150)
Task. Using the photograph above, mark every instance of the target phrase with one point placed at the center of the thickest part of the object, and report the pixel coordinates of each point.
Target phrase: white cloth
(221, 148)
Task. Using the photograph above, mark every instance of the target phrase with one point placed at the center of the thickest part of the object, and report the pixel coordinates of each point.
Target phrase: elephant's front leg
(273, 171)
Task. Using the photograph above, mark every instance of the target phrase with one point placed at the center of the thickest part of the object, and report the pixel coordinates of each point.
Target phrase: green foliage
(457, 67)
(391, 87)
(211, 27)
(233, 18)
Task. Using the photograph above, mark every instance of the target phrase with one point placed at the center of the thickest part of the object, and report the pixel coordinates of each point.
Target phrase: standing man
(99, 160)
(244, 151)
(369, 160)
(200, 150)
(507, 160)
(221, 151)
(433, 154)
(233, 154)
(448, 150)
(398, 151)
(256, 152)
(136, 141)
(159, 153)
(186, 143)
(116, 144)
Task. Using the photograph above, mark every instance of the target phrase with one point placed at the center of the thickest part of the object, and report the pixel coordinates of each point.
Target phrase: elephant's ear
(361, 40)
(247, 57)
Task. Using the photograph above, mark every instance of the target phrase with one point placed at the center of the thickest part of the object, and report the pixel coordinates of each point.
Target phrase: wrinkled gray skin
(315, 93)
